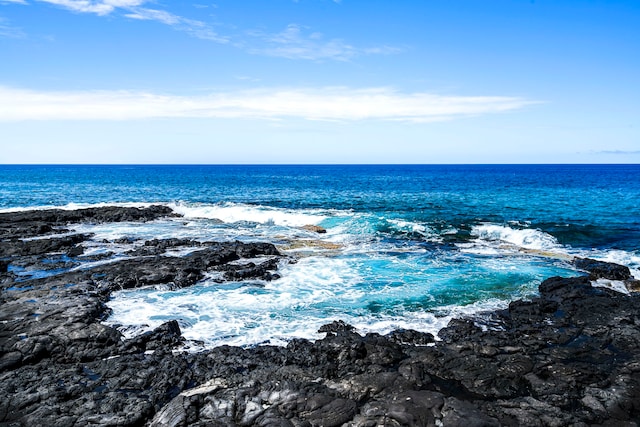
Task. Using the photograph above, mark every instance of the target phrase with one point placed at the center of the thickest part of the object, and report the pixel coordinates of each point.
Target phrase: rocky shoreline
(568, 357)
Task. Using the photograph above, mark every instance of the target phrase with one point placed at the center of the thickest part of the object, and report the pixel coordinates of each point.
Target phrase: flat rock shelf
(570, 356)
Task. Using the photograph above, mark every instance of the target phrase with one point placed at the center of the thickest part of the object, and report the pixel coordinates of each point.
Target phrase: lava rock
(569, 356)
(411, 337)
(336, 326)
(602, 269)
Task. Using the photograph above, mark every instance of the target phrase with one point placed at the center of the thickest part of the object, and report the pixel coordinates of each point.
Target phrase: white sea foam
(158, 229)
(245, 316)
(76, 206)
(237, 212)
(244, 313)
(431, 321)
(478, 248)
(311, 293)
(616, 285)
(524, 238)
(411, 227)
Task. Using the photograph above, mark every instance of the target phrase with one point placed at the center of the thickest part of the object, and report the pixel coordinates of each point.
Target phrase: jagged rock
(75, 251)
(602, 269)
(335, 327)
(411, 337)
(165, 336)
(264, 270)
(458, 329)
(41, 246)
(40, 222)
(460, 413)
(570, 356)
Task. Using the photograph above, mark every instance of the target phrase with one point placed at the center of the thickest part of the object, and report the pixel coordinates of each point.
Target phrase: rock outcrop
(570, 356)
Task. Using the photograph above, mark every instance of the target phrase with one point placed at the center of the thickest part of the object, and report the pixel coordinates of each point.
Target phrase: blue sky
(319, 81)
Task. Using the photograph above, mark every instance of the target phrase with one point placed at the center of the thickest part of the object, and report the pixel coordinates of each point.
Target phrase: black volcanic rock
(40, 222)
(602, 269)
(336, 326)
(165, 336)
(264, 270)
(570, 356)
(42, 246)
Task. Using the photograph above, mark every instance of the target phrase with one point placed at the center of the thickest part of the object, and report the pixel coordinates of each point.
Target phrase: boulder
(602, 270)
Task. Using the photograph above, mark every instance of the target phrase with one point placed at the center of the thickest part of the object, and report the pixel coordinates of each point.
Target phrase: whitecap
(524, 238)
(237, 212)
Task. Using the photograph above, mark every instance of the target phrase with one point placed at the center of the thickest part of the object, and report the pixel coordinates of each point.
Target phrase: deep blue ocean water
(406, 245)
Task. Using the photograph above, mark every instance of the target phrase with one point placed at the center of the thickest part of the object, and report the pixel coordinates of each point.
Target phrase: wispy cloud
(134, 9)
(194, 27)
(333, 104)
(297, 42)
(618, 152)
(100, 7)
(294, 42)
(9, 31)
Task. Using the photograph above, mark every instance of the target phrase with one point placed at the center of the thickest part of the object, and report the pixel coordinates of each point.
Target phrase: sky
(319, 81)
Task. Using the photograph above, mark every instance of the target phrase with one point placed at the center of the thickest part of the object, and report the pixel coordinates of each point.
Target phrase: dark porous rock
(602, 269)
(76, 251)
(160, 246)
(165, 336)
(41, 246)
(40, 222)
(411, 337)
(459, 413)
(457, 330)
(252, 250)
(264, 270)
(569, 356)
(336, 326)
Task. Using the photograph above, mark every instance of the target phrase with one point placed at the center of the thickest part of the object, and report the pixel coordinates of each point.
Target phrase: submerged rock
(314, 228)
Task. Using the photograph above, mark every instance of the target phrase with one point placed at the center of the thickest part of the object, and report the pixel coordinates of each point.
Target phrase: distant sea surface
(407, 246)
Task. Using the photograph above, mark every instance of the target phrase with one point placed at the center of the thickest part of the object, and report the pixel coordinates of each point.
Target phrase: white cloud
(337, 103)
(294, 43)
(132, 9)
(101, 7)
(9, 31)
(194, 27)
(154, 15)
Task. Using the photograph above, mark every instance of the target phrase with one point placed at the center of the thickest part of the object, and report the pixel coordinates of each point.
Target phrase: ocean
(406, 246)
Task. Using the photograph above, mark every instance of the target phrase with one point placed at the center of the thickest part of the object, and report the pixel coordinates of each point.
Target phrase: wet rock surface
(568, 357)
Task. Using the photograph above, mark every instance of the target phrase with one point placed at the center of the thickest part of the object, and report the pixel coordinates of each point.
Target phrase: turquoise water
(406, 245)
